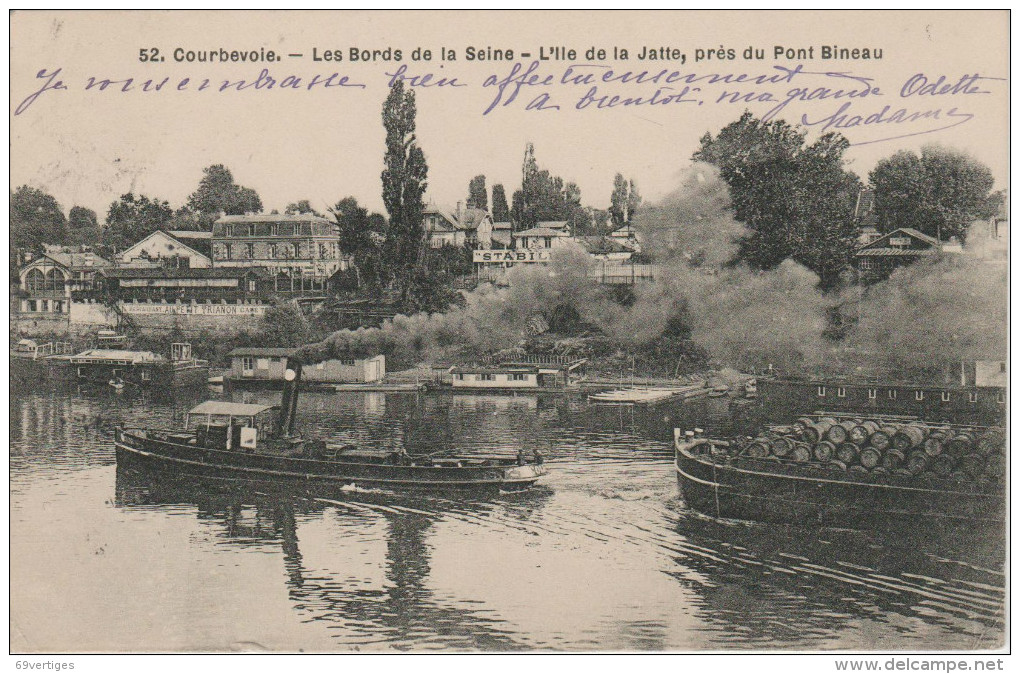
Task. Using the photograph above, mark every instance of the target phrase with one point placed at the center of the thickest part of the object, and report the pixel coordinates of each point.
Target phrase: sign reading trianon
(196, 309)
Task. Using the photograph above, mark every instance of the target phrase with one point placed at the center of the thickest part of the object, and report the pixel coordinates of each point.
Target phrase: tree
(545, 197)
(797, 200)
(359, 233)
(300, 208)
(36, 219)
(625, 201)
(284, 325)
(131, 219)
(500, 209)
(477, 196)
(217, 193)
(939, 193)
(83, 226)
(404, 180)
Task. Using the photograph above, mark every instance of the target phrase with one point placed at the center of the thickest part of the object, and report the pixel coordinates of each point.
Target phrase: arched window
(35, 282)
(55, 280)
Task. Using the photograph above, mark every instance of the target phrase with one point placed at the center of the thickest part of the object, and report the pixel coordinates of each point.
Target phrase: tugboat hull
(315, 474)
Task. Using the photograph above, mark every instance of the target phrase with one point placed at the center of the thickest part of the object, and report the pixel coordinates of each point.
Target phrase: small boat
(719, 391)
(116, 384)
(742, 479)
(256, 443)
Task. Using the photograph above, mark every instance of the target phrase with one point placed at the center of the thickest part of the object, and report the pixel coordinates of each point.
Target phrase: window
(247, 364)
(548, 242)
(1001, 397)
(1002, 367)
(972, 396)
(892, 394)
(226, 249)
(274, 229)
(349, 362)
(945, 396)
(458, 377)
(250, 251)
(146, 375)
(272, 251)
(821, 391)
(865, 264)
(322, 251)
(840, 392)
(35, 281)
(518, 377)
(872, 393)
(918, 395)
(251, 229)
(487, 377)
(45, 305)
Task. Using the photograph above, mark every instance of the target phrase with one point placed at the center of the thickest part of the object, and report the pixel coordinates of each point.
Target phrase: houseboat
(34, 360)
(121, 367)
(536, 374)
(783, 399)
(257, 444)
(848, 473)
(266, 367)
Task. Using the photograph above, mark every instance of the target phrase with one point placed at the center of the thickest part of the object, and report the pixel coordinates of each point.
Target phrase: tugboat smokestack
(288, 404)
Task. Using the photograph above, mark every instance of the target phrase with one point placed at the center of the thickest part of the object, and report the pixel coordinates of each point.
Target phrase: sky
(87, 147)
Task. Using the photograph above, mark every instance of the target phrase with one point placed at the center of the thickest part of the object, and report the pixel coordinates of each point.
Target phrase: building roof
(552, 224)
(274, 217)
(258, 351)
(178, 241)
(541, 231)
(495, 369)
(601, 245)
(232, 409)
(864, 211)
(164, 272)
(118, 354)
(75, 260)
(187, 234)
(881, 246)
(472, 217)
(502, 224)
(468, 219)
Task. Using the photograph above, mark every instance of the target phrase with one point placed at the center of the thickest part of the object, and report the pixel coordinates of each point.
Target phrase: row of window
(275, 229)
(47, 306)
(250, 363)
(492, 377)
(918, 395)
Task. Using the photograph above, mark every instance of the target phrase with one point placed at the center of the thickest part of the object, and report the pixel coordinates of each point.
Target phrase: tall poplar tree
(404, 180)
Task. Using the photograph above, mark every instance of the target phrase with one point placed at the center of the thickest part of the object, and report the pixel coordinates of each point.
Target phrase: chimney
(288, 402)
(460, 212)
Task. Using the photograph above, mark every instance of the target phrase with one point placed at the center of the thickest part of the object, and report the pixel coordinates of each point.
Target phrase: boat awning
(229, 409)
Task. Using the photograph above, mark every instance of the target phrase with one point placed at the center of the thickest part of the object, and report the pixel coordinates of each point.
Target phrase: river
(602, 555)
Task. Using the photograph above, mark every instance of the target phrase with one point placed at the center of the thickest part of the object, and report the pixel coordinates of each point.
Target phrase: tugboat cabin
(235, 426)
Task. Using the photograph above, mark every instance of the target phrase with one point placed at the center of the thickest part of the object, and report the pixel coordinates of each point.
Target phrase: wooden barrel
(801, 452)
(837, 434)
(860, 433)
(847, 453)
(909, 437)
(870, 457)
(935, 442)
(917, 461)
(825, 451)
(879, 470)
(893, 458)
(836, 466)
(816, 431)
(759, 448)
(858, 471)
(782, 446)
(942, 465)
(804, 422)
(961, 444)
(991, 441)
(973, 464)
(880, 439)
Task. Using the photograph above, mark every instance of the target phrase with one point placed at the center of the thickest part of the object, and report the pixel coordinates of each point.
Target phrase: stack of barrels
(909, 448)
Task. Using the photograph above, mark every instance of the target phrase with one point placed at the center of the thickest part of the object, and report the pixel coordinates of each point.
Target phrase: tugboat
(848, 472)
(257, 443)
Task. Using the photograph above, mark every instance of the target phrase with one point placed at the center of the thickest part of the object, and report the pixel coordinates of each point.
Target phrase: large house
(268, 365)
(463, 226)
(301, 252)
(47, 281)
(163, 249)
(876, 260)
(548, 234)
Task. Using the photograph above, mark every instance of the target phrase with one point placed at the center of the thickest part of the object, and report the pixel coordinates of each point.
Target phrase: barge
(847, 473)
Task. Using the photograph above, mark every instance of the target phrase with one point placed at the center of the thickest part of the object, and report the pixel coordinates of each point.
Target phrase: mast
(288, 403)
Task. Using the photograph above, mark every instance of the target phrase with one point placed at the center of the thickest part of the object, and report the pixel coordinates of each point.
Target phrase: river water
(603, 555)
